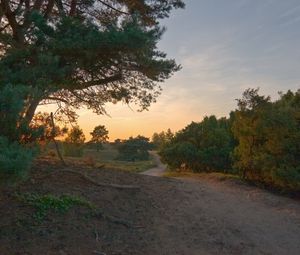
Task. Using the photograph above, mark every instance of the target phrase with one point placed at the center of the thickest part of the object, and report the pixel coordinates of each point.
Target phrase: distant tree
(80, 53)
(74, 142)
(159, 140)
(134, 149)
(99, 136)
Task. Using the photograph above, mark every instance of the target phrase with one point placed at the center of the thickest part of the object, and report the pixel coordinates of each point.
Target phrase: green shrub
(205, 146)
(180, 153)
(288, 178)
(268, 135)
(134, 149)
(15, 159)
(46, 203)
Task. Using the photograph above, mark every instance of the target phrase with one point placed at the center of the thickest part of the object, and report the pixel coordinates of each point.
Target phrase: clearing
(165, 216)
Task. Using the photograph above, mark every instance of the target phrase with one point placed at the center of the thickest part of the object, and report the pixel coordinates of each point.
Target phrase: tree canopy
(135, 148)
(82, 53)
(260, 141)
(203, 146)
(268, 136)
(99, 136)
(75, 136)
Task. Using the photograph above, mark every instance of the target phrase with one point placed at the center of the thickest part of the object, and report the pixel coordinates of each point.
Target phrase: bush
(15, 159)
(201, 147)
(268, 135)
(288, 178)
(134, 149)
(180, 154)
(46, 203)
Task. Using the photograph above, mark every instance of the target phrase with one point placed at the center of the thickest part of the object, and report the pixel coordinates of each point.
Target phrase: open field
(108, 157)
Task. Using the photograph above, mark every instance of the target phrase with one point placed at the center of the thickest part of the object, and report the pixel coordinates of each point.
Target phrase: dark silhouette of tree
(82, 53)
(74, 142)
(134, 149)
(161, 139)
(99, 136)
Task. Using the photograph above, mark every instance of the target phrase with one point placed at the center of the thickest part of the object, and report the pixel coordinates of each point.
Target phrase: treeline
(260, 141)
(131, 149)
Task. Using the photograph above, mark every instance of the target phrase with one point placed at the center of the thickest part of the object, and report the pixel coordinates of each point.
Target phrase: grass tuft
(43, 204)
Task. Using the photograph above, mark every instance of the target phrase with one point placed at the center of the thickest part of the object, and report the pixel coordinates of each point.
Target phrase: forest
(260, 142)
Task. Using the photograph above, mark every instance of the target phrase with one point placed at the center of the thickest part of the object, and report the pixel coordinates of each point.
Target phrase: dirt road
(159, 169)
(166, 216)
(207, 216)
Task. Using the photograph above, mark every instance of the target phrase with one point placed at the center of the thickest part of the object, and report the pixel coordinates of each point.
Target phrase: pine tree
(83, 53)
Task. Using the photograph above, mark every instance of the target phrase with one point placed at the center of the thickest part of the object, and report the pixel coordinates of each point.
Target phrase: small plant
(89, 161)
(46, 203)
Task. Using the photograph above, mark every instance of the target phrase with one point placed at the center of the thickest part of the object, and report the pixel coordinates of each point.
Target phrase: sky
(224, 47)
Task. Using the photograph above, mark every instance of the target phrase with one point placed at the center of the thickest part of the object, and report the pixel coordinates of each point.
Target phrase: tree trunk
(55, 142)
(31, 110)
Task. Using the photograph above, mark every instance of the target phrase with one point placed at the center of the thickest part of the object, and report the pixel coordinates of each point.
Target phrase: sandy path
(208, 216)
(197, 217)
(159, 169)
(166, 216)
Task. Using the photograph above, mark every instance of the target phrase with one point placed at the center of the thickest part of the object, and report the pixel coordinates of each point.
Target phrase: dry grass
(213, 175)
(107, 157)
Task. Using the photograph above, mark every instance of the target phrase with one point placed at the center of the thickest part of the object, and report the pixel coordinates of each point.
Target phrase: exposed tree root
(115, 220)
(90, 180)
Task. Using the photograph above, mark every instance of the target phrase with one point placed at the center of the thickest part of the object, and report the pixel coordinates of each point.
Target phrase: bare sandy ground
(208, 216)
(159, 169)
(166, 216)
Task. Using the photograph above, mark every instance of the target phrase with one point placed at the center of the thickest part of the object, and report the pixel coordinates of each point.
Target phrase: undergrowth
(43, 204)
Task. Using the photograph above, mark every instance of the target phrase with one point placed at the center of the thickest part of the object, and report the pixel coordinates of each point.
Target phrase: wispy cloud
(224, 48)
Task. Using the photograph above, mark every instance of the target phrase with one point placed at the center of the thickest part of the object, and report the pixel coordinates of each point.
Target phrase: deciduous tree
(99, 136)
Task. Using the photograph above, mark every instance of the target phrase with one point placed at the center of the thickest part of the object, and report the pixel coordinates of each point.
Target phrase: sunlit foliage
(268, 135)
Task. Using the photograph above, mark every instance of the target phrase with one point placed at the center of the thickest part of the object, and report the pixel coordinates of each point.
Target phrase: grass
(108, 155)
(134, 167)
(213, 175)
(43, 204)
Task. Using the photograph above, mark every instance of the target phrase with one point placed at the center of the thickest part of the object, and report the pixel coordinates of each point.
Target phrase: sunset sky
(224, 47)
